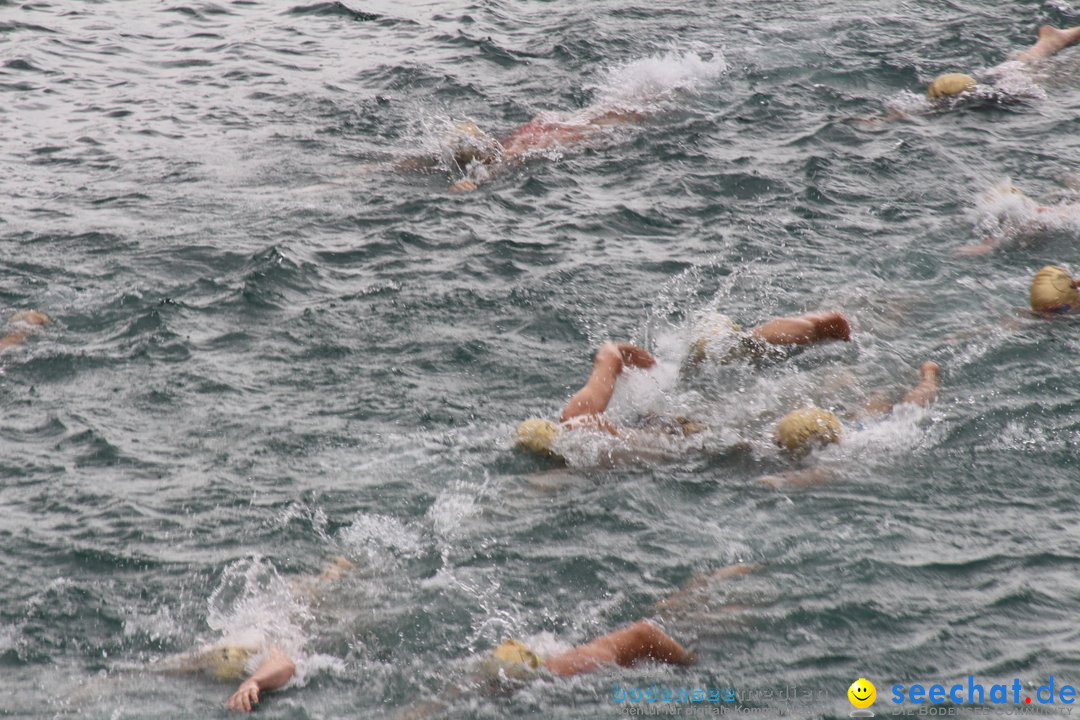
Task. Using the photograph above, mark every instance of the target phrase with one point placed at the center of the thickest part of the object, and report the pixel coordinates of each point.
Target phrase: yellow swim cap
(950, 85)
(708, 330)
(337, 567)
(799, 427)
(468, 143)
(469, 128)
(537, 435)
(516, 652)
(1052, 291)
(512, 659)
(227, 662)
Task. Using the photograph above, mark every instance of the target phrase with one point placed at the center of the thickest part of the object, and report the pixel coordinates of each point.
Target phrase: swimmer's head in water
(950, 85)
(709, 336)
(1052, 290)
(468, 144)
(537, 435)
(226, 662)
(514, 660)
(800, 429)
(516, 652)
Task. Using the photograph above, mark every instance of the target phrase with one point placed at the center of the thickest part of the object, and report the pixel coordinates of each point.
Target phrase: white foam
(9, 635)
(1002, 214)
(316, 664)
(253, 607)
(1013, 78)
(449, 511)
(159, 626)
(897, 433)
(372, 534)
(909, 103)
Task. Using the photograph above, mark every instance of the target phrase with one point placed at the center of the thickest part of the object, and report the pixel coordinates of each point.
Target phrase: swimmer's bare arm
(640, 641)
(415, 163)
(487, 173)
(591, 400)
(891, 116)
(1051, 41)
(27, 317)
(922, 394)
(464, 185)
(804, 330)
(699, 585)
(794, 479)
(276, 670)
(618, 117)
(926, 391)
(992, 241)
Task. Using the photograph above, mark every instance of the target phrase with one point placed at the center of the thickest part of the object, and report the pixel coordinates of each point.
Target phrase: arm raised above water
(276, 670)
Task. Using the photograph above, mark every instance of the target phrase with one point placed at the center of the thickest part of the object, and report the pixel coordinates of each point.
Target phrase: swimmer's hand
(274, 672)
(797, 479)
(31, 317)
(875, 120)
(463, 186)
(245, 698)
(982, 248)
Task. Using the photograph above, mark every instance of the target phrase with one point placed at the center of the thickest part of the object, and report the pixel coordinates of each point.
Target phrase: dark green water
(271, 348)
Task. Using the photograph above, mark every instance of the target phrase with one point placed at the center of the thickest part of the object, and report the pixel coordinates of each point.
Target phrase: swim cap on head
(516, 652)
(1052, 291)
(537, 435)
(950, 85)
(337, 567)
(227, 662)
(799, 427)
(468, 144)
(469, 128)
(512, 659)
(708, 334)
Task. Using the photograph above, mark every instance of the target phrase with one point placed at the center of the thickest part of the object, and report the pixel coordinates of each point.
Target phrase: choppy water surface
(272, 348)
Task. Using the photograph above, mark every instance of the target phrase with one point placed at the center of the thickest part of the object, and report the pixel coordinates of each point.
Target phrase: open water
(271, 347)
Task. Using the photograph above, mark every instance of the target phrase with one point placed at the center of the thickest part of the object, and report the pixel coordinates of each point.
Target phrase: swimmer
(697, 592)
(626, 648)
(480, 156)
(274, 672)
(640, 642)
(954, 85)
(1010, 216)
(953, 89)
(719, 340)
(265, 663)
(1054, 292)
(800, 431)
(230, 660)
(29, 320)
(586, 407)
(276, 668)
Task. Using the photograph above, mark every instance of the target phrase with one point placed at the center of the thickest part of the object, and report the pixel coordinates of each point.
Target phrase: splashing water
(1014, 79)
(1004, 214)
(644, 83)
(898, 432)
(254, 607)
(374, 536)
(639, 86)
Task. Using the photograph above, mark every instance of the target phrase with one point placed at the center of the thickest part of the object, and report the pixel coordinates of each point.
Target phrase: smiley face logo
(862, 693)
